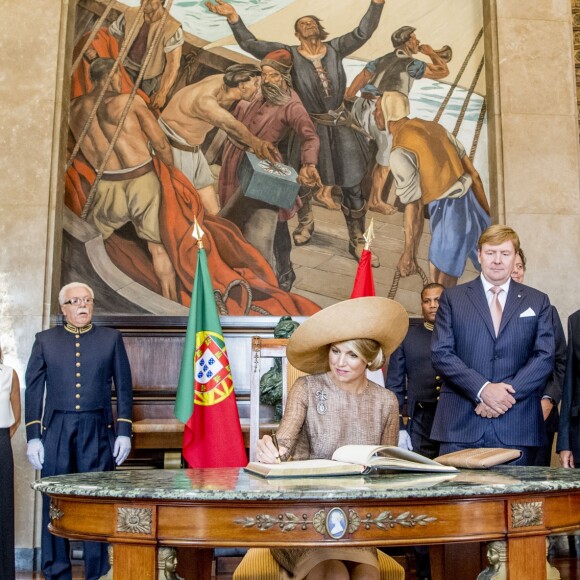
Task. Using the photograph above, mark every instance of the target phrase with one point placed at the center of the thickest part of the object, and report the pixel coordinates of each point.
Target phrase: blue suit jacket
(467, 353)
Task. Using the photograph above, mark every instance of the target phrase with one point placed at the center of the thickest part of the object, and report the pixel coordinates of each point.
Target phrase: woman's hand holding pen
(266, 451)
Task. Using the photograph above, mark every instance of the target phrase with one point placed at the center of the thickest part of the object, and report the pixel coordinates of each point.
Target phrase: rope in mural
(478, 129)
(467, 98)
(152, 48)
(122, 54)
(458, 76)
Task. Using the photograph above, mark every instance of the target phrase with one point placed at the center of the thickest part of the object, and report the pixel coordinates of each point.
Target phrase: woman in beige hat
(337, 405)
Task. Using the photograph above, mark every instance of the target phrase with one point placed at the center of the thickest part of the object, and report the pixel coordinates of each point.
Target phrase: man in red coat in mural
(273, 115)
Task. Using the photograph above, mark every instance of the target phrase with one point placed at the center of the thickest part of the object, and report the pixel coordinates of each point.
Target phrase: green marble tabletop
(235, 484)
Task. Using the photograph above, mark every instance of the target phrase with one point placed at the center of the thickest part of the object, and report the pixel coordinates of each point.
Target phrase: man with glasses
(69, 416)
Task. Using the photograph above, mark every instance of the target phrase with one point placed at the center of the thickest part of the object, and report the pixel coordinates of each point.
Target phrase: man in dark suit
(411, 375)
(552, 393)
(568, 445)
(69, 415)
(494, 345)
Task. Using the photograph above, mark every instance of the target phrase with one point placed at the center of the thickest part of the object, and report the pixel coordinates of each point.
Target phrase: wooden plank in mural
(283, 127)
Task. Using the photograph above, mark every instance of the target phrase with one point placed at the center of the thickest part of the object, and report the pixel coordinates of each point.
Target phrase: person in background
(10, 411)
(553, 389)
(568, 444)
(69, 416)
(337, 405)
(493, 343)
(410, 375)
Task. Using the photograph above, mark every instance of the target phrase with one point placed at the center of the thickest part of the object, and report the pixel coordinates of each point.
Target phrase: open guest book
(352, 460)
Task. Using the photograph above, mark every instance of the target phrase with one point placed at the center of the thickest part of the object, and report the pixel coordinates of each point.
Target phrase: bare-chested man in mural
(196, 109)
(129, 189)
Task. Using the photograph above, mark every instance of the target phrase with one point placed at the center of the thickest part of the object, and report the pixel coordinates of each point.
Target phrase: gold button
(77, 407)
(77, 354)
(437, 398)
(437, 388)
(437, 378)
(77, 335)
(78, 385)
(109, 426)
(78, 364)
(77, 344)
(77, 375)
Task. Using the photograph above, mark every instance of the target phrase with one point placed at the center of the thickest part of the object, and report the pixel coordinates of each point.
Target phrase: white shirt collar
(487, 285)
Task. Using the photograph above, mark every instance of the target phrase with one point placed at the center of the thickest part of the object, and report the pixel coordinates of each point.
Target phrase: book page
(305, 468)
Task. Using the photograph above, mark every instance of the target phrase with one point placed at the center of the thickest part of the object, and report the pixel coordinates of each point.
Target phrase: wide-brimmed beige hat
(381, 319)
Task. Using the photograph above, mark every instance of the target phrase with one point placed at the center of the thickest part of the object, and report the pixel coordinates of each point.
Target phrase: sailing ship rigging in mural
(129, 258)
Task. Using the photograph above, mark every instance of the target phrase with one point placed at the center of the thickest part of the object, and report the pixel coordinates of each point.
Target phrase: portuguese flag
(205, 400)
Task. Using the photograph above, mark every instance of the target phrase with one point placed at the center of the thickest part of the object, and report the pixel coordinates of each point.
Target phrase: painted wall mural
(284, 127)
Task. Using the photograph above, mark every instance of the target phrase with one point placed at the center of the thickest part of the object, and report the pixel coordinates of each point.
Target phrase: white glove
(35, 453)
(121, 449)
(405, 440)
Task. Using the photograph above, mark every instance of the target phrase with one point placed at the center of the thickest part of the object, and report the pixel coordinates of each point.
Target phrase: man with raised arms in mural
(319, 79)
(129, 190)
(431, 168)
(196, 109)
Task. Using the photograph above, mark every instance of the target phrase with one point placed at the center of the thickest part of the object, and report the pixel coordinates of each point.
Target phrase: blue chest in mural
(272, 183)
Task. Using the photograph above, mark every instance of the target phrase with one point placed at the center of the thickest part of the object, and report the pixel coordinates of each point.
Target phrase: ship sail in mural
(271, 256)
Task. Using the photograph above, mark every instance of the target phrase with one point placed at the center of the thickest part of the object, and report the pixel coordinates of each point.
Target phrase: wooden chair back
(264, 351)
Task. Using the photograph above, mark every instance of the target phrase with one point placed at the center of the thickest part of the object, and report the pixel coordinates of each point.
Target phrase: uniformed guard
(411, 374)
(69, 416)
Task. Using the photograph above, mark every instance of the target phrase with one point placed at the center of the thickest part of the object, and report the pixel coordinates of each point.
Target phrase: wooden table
(139, 511)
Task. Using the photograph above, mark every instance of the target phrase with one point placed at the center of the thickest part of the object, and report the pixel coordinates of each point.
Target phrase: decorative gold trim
(77, 329)
(54, 513)
(527, 514)
(126, 420)
(288, 522)
(134, 520)
(32, 423)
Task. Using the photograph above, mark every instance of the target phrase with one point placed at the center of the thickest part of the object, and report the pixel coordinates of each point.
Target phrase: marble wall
(533, 152)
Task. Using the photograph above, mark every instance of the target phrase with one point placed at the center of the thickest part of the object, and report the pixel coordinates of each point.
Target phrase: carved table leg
(134, 562)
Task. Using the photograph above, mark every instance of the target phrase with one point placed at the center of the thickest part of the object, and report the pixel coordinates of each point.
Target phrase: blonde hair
(367, 349)
(498, 234)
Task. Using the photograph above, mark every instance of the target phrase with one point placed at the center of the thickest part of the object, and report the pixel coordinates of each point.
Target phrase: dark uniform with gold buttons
(411, 374)
(75, 368)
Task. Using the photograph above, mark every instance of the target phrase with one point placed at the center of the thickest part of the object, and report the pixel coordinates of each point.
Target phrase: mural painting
(283, 127)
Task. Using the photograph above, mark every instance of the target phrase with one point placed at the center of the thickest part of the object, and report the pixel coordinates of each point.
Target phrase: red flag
(364, 283)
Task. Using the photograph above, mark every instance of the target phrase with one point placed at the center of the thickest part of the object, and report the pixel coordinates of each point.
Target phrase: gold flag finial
(197, 233)
(369, 235)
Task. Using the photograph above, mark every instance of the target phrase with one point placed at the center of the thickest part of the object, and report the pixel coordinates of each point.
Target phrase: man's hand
(547, 407)
(407, 266)
(309, 176)
(121, 449)
(266, 150)
(426, 49)
(35, 453)
(486, 412)
(498, 396)
(567, 459)
(157, 101)
(405, 440)
(223, 9)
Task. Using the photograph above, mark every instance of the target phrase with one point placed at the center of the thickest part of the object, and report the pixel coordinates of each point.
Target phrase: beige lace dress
(320, 417)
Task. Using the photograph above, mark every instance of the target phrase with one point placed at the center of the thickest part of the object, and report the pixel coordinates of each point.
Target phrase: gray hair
(67, 287)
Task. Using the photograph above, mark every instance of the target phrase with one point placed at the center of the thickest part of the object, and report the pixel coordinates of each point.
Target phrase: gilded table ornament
(335, 523)
(527, 514)
(134, 520)
(54, 513)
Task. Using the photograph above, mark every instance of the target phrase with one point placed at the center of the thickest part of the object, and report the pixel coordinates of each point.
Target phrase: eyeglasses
(74, 301)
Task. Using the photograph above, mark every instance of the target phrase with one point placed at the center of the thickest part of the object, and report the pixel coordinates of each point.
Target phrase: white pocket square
(526, 313)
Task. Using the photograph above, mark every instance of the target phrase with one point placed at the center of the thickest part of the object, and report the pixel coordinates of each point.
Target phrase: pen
(275, 441)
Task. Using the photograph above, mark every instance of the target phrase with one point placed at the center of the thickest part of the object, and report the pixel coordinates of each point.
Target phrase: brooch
(321, 406)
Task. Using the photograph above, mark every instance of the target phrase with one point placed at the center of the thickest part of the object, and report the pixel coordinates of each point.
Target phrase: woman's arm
(15, 403)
